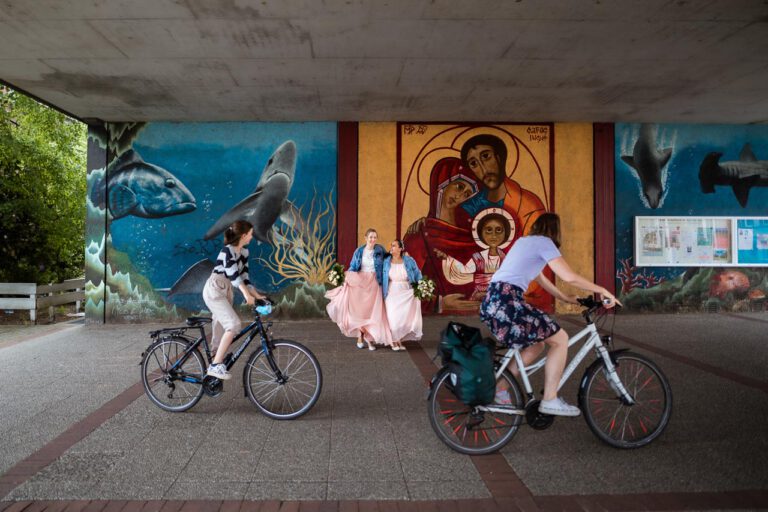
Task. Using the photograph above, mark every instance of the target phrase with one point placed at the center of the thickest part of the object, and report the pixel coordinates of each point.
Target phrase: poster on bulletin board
(701, 241)
(683, 241)
(752, 241)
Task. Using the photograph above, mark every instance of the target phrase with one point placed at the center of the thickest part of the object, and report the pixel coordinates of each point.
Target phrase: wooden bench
(19, 296)
(31, 297)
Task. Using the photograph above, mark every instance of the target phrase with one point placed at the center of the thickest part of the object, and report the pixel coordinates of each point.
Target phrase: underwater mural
(686, 171)
(466, 193)
(157, 211)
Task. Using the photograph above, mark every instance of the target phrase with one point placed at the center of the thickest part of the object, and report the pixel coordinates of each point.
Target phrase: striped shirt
(232, 266)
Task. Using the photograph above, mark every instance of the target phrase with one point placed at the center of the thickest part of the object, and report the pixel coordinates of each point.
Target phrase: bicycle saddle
(197, 321)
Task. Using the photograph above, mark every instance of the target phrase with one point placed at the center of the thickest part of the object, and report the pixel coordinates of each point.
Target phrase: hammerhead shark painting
(741, 174)
(268, 201)
(648, 162)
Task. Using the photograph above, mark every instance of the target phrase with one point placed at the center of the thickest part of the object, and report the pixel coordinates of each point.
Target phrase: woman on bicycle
(231, 270)
(357, 306)
(517, 324)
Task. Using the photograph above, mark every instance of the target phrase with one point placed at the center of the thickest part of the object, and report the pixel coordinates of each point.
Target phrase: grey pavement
(368, 437)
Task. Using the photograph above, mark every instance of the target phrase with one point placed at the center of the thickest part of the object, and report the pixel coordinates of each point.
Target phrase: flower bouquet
(336, 275)
(424, 289)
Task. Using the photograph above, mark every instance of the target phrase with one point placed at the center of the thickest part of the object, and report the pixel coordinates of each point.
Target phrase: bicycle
(282, 378)
(625, 398)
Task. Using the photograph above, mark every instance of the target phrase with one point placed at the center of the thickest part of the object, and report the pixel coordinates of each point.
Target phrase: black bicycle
(282, 378)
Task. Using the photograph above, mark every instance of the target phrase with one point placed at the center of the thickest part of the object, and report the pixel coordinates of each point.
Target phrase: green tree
(42, 191)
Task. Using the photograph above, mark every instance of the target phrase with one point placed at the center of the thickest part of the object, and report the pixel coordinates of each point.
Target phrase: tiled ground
(368, 437)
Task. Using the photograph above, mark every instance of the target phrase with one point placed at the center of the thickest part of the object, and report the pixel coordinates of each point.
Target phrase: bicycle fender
(439, 373)
(612, 354)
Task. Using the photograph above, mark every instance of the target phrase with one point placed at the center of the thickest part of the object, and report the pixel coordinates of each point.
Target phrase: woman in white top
(357, 306)
(516, 324)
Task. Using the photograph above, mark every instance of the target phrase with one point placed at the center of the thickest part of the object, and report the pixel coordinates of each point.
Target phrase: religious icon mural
(466, 193)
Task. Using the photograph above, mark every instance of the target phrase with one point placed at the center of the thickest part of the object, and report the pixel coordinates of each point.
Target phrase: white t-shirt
(525, 260)
(367, 264)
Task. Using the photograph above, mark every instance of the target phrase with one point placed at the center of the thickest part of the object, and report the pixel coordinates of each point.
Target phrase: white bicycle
(624, 397)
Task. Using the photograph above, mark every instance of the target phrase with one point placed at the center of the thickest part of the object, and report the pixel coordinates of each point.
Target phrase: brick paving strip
(748, 500)
(28, 467)
(714, 370)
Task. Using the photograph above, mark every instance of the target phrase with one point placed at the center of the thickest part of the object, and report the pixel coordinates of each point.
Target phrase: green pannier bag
(469, 359)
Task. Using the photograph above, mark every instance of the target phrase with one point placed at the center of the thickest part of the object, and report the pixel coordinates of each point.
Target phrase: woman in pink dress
(400, 273)
(357, 306)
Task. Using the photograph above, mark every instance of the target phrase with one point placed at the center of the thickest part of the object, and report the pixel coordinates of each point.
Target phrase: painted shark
(268, 201)
(741, 174)
(138, 188)
(648, 161)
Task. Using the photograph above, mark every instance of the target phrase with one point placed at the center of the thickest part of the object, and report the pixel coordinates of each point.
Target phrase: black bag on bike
(469, 359)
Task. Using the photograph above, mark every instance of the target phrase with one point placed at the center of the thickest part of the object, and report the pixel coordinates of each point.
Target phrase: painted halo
(489, 211)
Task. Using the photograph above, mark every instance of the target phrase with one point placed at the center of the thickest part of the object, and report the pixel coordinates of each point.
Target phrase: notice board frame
(700, 241)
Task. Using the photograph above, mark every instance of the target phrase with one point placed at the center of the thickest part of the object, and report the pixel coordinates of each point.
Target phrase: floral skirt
(514, 322)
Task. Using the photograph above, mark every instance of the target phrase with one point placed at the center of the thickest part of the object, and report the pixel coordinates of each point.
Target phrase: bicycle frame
(257, 326)
(593, 342)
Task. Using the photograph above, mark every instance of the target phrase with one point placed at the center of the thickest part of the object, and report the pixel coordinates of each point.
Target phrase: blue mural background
(220, 163)
(682, 195)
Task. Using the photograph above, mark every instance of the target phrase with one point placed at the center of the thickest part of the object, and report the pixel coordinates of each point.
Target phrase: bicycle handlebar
(590, 303)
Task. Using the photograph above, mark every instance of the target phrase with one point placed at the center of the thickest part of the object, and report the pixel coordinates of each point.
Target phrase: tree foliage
(42, 191)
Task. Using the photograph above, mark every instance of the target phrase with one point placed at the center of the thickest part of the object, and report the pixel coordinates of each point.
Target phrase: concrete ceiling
(412, 60)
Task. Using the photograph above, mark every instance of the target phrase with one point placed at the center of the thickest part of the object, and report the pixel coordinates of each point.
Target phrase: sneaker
(558, 407)
(219, 371)
(503, 398)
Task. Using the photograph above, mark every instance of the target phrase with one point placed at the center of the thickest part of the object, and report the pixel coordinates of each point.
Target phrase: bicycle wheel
(172, 390)
(467, 431)
(296, 392)
(620, 425)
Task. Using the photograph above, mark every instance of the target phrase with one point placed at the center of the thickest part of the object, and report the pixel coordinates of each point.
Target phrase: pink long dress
(358, 305)
(403, 309)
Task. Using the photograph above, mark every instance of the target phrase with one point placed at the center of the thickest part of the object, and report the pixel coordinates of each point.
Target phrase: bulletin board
(701, 241)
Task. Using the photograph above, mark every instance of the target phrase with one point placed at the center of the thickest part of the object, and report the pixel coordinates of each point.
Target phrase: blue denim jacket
(378, 259)
(411, 268)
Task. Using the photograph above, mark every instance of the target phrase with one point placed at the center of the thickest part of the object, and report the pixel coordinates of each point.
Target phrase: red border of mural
(346, 191)
(399, 213)
(605, 220)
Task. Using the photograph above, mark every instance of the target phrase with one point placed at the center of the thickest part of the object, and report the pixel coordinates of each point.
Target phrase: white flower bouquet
(424, 289)
(336, 275)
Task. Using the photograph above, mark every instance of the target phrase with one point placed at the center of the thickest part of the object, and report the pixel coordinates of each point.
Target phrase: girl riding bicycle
(231, 270)
(515, 323)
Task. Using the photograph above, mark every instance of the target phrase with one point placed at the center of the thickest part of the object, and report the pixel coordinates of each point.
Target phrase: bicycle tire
(160, 385)
(625, 426)
(302, 386)
(492, 434)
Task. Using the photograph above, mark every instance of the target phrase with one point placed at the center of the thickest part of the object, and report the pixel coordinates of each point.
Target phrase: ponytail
(235, 232)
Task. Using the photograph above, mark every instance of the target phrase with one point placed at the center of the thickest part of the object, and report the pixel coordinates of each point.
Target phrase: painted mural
(466, 193)
(158, 209)
(688, 170)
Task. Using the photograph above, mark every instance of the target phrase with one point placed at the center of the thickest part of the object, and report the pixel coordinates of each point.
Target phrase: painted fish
(193, 279)
(648, 161)
(741, 174)
(268, 201)
(728, 281)
(138, 188)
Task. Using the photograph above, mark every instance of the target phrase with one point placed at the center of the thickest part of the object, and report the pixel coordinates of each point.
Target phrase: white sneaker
(558, 407)
(503, 398)
(219, 371)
